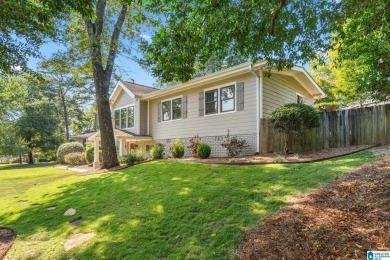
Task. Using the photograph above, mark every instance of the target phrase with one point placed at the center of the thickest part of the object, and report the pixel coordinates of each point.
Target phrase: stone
(70, 212)
(51, 208)
(77, 222)
(75, 240)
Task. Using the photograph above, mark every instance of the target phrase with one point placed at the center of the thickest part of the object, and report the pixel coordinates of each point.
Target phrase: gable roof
(133, 89)
(299, 73)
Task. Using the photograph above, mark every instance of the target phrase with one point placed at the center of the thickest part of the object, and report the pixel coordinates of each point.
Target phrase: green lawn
(161, 209)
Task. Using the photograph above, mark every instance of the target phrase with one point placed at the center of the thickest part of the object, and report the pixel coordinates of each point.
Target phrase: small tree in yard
(194, 143)
(293, 119)
(232, 145)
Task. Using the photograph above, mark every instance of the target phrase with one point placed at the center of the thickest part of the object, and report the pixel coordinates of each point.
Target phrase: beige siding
(124, 100)
(143, 118)
(239, 122)
(279, 90)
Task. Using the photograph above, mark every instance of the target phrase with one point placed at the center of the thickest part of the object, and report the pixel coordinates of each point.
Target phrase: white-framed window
(220, 99)
(299, 99)
(124, 117)
(171, 109)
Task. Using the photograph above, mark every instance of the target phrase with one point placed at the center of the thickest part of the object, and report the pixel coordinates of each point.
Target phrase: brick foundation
(215, 142)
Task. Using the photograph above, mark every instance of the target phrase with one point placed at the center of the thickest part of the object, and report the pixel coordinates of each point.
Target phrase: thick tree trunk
(110, 158)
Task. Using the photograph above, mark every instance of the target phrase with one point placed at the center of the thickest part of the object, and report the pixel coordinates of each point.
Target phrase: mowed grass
(157, 210)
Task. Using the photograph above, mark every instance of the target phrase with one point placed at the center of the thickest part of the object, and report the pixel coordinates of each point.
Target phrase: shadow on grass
(174, 210)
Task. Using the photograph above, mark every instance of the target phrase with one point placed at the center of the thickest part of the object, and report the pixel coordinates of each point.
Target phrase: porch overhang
(124, 135)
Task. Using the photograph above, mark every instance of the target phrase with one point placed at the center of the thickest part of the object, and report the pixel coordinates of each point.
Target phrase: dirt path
(343, 220)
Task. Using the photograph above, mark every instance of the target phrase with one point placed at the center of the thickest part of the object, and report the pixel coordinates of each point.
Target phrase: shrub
(293, 119)
(177, 148)
(134, 156)
(75, 158)
(233, 145)
(194, 142)
(327, 106)
(89, 153)
(68, 148)
(157, 151)
(203, 151)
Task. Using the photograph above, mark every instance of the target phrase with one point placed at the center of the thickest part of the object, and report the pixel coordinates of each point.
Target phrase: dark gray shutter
(184, 107)
(201, 103)
(159, 112)
(240, 96)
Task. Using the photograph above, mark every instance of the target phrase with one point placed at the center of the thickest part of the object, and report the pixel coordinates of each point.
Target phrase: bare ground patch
(343, 220)
(7, 238)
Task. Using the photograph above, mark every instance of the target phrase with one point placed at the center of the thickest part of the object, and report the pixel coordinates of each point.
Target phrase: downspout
(258, 106)
(148, 133)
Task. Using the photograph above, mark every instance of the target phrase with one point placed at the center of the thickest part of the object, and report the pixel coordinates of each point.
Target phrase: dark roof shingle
(137, 89)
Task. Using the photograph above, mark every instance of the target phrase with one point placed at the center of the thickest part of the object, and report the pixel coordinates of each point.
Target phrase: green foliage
(157, 151)
(68, 148)
(194, 142)
(203, 151)
(327, 106)
(197, 32)
(293, 119)
(161, 194)
(75, 158)
(233, 145)
(177, 148)
(134, 156)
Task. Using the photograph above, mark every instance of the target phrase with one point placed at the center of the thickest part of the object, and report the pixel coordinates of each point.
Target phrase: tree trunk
(66, 119)
(110, 158)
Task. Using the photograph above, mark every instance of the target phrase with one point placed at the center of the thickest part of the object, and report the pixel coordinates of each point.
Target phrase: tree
(362, 41)
(292, 120)
(30, 112)
(282, 32)
(101, 38)
(72, 91)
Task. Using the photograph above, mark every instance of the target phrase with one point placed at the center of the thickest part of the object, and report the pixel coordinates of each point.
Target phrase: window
(176, 108)
(171, 109)
(123, 117)
(299, 99)
(130, 117)
(211, 101)
(117, 118)
(166, 110)
(227, 99)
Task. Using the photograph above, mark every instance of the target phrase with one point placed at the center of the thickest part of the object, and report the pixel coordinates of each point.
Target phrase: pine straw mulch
(343, 220)
(7, 238)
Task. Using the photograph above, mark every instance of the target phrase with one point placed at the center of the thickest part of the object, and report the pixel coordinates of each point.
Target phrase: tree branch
(114, 43)
(99, 22)
(275, 15)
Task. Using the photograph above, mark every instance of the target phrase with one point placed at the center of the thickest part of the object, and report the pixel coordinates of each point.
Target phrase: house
(233, 99)
(83, 137)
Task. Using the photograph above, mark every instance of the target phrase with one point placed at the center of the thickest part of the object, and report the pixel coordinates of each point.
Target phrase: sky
(131, 68)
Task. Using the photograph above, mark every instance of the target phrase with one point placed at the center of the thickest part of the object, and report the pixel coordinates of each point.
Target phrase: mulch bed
(343, 220)
(7, 238)
(311, 156)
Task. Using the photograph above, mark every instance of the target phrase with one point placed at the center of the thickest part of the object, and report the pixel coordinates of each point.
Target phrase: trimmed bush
(292, 120)
(75, 158)
(89, 153)
(137, 155)
(177, 148)
(68, 148)
(157, 151)
(203, 151)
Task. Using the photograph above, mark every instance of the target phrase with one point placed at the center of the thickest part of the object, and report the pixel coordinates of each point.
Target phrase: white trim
(218, 88)
(171, 118)
(139, 116)
(117, 108)
(300, 95)
(114, 94)
(147, 123)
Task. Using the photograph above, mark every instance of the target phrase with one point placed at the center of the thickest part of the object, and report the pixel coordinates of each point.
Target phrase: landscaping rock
(51, 208)
(77, 222)
(77, 239)
(70, 212)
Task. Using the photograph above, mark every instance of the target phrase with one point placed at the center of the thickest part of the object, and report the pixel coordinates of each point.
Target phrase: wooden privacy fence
(358, 126)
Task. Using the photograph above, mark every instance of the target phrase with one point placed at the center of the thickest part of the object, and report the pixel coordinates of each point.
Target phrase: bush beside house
(67, 148)
(77, 158)
(177, 148)
(157, 151)
(203, 151)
